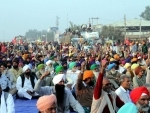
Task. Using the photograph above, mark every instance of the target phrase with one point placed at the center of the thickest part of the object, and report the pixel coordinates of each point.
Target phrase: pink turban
(45, 102)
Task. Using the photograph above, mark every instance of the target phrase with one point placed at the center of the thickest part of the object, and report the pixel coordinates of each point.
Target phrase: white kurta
(73, 76)
(22, 91)
(8, 105)
(123, 94)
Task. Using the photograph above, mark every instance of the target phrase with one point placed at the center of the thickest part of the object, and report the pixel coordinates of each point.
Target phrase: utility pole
(57, 22)
(140, 29)
(124, 27)
(67, 21)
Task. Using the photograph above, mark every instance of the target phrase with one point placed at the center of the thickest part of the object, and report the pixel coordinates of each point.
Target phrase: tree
(109, 31)
(146, 14)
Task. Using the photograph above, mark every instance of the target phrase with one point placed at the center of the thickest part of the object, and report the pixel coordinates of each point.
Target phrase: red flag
(127, 42)
(20, 41)
(14, 41)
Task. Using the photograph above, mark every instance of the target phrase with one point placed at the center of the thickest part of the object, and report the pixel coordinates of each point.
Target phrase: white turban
(48, 62)
(58, 78)
(25, 68)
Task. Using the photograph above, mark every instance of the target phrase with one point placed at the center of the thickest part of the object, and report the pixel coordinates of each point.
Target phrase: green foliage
(109, 31)
(146, 14)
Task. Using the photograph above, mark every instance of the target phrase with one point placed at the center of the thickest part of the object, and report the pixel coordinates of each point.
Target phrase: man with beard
(49, 67)
(105, 100)
(15, 70)
(25, 83)
(84, 88)
(41, 70)
(9, 64)
(72, 74)
(94, 68)
(64, 97)
(140, 97)
(113, 75)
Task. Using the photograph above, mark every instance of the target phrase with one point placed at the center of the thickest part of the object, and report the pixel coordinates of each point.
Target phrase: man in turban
(85, 87)
(94, 68)
(25, 83)
(113, 75)
(72, 73)
(41, 70)
(140, 97)
(140, 78)
(47, 104)
(49, 66)
(64, 97)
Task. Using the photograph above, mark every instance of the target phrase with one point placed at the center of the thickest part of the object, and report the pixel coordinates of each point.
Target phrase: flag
(20, 41)
(14, 41)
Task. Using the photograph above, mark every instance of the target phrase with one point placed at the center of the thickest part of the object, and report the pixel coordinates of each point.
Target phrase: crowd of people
(105, 78)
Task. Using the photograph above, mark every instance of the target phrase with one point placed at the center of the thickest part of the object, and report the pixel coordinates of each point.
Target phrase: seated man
(7, 102)
(84, 88)
(123, 91)
(64, 97)
(140, 101)
(10, 77)
(47, 104)
(25, 83)
(113, 75)
(72, 74)
(15, 70)
(104, 99)
(41, 70)
(4, 81)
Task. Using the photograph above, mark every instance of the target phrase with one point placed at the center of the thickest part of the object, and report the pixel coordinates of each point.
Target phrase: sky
(18, 16)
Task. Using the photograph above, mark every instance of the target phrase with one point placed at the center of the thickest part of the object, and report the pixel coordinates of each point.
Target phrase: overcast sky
(18, 16)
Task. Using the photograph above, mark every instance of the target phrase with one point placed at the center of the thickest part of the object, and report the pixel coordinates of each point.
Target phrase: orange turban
(134, 60)
(137, 70)
(45, 102)
(87, 74)
(116, 57)
(137, 93)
